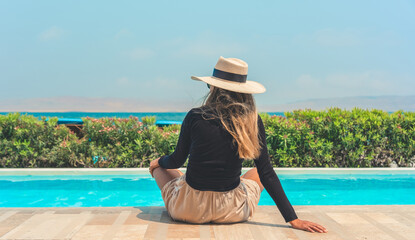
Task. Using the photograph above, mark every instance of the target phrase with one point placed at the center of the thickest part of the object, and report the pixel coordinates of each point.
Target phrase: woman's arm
(270, 180)
(179, 156)
(273, 186)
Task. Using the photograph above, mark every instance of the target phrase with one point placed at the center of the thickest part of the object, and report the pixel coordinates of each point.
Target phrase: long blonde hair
(238, 114)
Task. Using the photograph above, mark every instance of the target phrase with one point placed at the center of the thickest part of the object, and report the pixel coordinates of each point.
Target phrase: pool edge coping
(129, 171)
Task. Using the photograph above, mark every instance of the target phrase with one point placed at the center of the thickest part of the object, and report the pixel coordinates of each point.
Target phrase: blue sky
(147, 50)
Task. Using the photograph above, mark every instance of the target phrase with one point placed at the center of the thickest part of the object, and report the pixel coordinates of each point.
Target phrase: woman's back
(214, 163)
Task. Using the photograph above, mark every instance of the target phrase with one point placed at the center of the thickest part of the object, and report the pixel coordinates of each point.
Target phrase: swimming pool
(110, 190)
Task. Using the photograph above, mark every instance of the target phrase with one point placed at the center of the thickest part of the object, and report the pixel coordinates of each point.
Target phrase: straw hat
(231, 74)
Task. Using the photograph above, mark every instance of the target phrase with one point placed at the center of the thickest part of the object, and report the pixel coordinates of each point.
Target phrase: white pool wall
(144, 171)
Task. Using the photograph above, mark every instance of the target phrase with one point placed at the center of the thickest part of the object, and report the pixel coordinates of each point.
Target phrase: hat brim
(246, 87)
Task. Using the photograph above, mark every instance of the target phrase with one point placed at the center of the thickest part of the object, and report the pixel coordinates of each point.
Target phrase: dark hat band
(229, 76)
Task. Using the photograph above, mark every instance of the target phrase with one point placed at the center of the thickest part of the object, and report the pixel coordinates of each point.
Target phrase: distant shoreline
(124, 105)
(168, 116)
(5, 112)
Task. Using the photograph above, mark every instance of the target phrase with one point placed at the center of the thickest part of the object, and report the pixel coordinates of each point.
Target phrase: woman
(219, 135)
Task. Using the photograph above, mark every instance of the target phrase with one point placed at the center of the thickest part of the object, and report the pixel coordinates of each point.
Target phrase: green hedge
(340, 138)
(304, 138)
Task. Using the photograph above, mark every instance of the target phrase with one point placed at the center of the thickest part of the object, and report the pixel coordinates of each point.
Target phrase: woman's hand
(307, 226)
(153, 165)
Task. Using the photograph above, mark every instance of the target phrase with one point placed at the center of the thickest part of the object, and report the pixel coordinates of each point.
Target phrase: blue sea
(164, 116)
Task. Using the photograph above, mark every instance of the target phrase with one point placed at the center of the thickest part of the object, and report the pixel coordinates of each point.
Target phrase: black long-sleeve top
(214, 163)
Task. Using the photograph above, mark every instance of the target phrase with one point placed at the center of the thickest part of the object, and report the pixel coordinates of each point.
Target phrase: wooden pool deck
(343, 222)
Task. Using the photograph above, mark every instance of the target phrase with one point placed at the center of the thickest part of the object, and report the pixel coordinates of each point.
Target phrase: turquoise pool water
(142, 190)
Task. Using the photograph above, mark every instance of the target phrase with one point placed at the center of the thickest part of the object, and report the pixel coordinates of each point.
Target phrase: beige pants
(184, 203)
